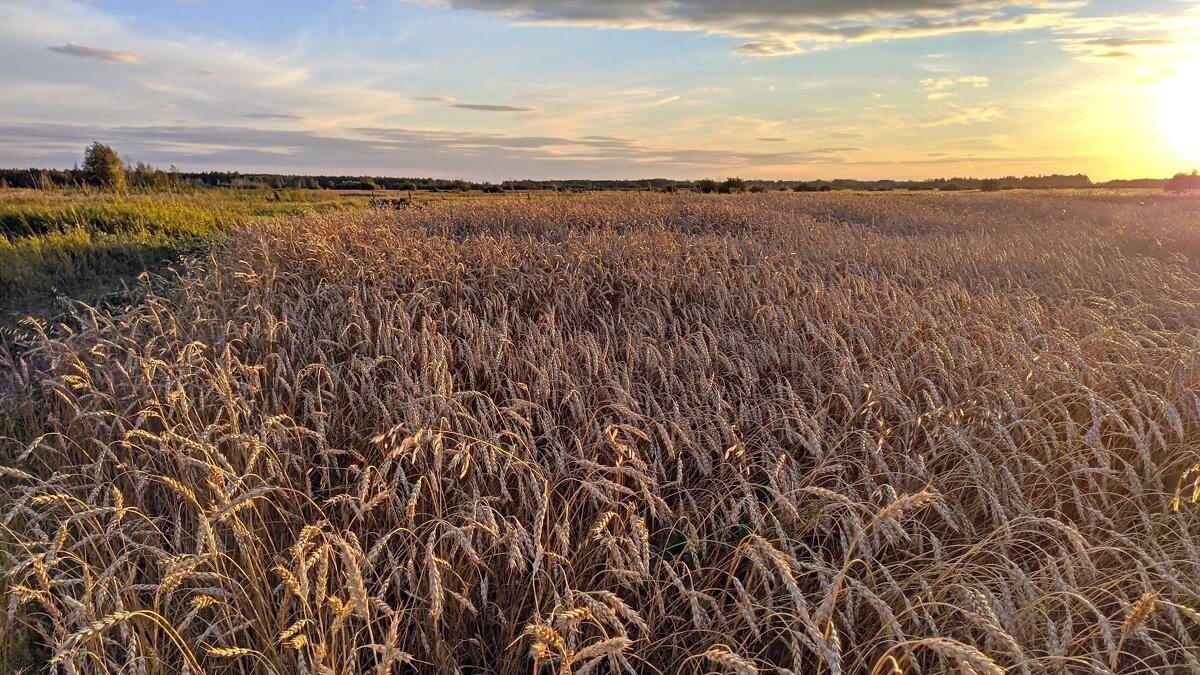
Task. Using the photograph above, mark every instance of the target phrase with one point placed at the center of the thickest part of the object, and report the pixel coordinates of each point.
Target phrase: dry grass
(787, 433)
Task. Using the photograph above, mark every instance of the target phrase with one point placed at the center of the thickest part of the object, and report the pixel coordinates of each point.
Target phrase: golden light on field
(1181, 111)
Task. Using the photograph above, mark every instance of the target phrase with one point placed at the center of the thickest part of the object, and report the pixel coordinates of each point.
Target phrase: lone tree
(102, 166)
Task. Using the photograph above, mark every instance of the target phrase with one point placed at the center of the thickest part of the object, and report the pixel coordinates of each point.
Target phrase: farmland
(63, 246)
(808, 433)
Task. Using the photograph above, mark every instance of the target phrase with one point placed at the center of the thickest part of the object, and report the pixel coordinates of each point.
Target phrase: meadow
(63, 246)
(778, 433)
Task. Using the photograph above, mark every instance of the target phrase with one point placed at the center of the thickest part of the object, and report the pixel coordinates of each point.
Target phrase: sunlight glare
(1181, 111)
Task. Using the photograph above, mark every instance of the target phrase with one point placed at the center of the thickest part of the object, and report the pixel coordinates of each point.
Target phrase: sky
(504, 89)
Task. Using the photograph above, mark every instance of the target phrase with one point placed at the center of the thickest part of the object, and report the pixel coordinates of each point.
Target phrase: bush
(733, 185)
(1184, 182)
(990, 185)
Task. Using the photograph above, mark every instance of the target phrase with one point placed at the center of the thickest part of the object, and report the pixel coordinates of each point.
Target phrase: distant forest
(144, 176)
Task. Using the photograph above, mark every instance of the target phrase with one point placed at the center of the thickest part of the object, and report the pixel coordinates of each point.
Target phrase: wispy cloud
(483, 107)
(110, 55)
(488, 107)
(406, 151)
(967, 115)
(939, 88)
(1112, 47)
(785, 27)
(207, 96)
(768, 48)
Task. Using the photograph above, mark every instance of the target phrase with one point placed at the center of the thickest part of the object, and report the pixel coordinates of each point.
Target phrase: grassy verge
(61, 246)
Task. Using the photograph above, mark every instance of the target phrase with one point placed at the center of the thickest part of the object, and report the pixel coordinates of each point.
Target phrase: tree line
(103, 168)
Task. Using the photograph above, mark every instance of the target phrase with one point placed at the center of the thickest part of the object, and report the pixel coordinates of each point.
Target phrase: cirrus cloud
(784, 27)
(272, 116)
(110, 55)
(403, 151)
(483, 107)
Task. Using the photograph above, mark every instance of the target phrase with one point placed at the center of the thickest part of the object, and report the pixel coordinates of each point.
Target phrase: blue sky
(497, 89)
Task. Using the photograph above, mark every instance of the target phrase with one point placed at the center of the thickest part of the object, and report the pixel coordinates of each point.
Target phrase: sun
(1181, 111)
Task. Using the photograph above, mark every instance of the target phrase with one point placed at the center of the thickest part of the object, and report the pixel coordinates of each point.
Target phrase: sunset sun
(1180, 103)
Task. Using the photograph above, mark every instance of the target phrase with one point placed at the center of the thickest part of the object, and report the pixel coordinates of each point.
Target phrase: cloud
(397, 151)
(1114, 47)
(1130, 34)
(969, 115)
(771, 48)
(771, 139)
(483, 107)
(784, 27)
(110, 55)
(272, 116)
(1124, 42)
(487, 107)
(199, 77)
(940, 88)
(942, 83)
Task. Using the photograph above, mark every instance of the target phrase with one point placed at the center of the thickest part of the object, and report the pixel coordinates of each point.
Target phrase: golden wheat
(780, 433)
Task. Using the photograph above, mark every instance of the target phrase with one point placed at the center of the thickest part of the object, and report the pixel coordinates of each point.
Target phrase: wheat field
(826, 433)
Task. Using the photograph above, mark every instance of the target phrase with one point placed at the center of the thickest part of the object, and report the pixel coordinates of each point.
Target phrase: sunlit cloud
(606, 104)
(272, 116)
(482, 107)
(1111, 47)
(967, 115)
(110, 55)
(399, 151)
(785, 27)
(490, 107)
(769, 48)
(939, 88)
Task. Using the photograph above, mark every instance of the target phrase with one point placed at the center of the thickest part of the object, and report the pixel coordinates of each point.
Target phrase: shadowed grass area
(61, 246)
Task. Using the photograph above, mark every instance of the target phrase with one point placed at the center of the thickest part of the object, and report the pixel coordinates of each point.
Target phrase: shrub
(1184, 182)
(733, 185)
